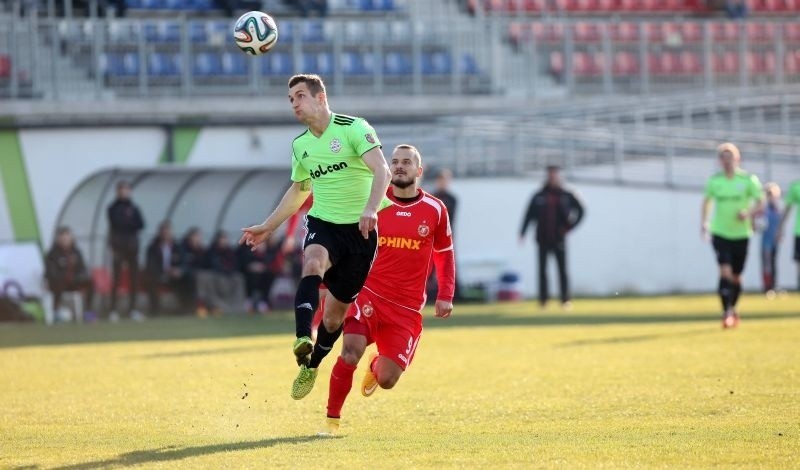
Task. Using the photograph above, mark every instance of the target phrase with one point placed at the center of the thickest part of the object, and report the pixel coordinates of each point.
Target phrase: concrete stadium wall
(632, 240)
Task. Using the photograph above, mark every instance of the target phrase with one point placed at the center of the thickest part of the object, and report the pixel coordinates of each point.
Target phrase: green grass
(648, 382)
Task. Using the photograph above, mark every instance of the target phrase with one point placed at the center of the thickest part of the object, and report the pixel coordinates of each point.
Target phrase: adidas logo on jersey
(305, 155)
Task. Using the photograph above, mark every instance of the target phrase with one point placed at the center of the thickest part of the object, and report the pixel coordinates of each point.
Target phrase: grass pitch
(619, 382)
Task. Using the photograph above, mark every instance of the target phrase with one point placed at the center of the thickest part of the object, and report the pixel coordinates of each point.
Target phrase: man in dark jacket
(555, 211)
(163, 269)
(124, 222)
(66, 271)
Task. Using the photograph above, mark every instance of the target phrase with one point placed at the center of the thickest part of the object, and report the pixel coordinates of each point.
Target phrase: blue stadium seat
(134, 3)
(436, 63)
(468, 64)
(164, 65)
(207, 63)
(169, 31)
(234, 64)
(121, 65)
(312, 31)
(198, 32)
(202, 5)
(352, 64)
(318, 62)
(397, 63)
(277, 64)
(286, 31)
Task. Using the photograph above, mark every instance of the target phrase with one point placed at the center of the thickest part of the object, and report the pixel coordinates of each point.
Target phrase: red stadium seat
(791, 31)
(582, 64)
(606, 5)
(653, 64)
(791, 62)
(670, 63)
(770, 64)
(625, 63)
(556, 63)
(692, 32)
(653, 32)
(628, 5)
(756, 63)
(690, 63)
(726, 63)
(584, 31)
(5, 66)
(725, 31)
(625, 31)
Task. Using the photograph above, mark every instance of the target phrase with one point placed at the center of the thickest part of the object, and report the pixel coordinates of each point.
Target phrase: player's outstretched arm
(376, 162)
(706, 210)
(292, 200)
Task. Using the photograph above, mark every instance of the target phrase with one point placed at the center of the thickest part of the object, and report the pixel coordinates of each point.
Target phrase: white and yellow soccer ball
(255, 32)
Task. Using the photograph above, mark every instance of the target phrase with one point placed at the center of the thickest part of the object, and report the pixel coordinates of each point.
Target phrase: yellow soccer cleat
(370, 382)
(304, 382)
(302, 348)
(331, 427)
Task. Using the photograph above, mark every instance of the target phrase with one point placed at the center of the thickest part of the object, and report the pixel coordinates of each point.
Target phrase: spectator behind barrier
(193, 257)
(66, 271)
(258, 268)
(222, 285)
(164, 270)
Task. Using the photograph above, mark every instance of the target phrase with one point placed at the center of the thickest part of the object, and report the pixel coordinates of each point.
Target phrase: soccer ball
(255, 32)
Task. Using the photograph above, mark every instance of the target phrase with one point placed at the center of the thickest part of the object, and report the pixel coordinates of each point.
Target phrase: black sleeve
(530, 216)
(577, 210)
(139, 222)
(50, 266)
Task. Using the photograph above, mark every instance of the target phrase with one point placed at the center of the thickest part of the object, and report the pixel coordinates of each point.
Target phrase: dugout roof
(210, 199)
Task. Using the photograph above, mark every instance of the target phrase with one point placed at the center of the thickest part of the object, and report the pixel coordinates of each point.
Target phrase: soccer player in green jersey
(736, 197)
(339, 157)
(793, 199)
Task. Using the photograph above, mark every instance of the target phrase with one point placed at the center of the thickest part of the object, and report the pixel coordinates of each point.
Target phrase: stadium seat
(5, 66)
(625, 63)
(353, 64)
(791, 32)
(234, 64)
(692, 32)
(725, 32)
(207, 64)
(556, 63)
(198, 32)
(691, 63)
(624, 31)
(318, 62)
(436, 63)
(312, 31)
(397, 63)
(164, 64)
(469, 65)
(584, 31)
(277, 64)
(760, 32)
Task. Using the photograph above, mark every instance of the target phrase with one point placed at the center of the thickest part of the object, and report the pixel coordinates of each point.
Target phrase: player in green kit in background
(339, 157)
(736, 197)
(793, 200)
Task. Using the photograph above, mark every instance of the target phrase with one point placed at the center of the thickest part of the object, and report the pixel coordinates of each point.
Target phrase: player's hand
(255, 235)
(743, 214)
(704, 231)
(367, 222)
(443, 309)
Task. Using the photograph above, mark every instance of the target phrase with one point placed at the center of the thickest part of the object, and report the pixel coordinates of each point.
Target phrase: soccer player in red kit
(414, 236)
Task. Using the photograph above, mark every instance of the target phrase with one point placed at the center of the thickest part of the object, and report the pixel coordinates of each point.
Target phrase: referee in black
(555, 211)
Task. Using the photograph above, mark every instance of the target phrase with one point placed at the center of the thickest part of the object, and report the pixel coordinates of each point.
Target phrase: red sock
(341, 383)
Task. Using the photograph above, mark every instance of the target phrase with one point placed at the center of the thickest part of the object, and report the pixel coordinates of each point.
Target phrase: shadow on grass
(186, 328)
(170, 454)
(200, 352)
(629, 339)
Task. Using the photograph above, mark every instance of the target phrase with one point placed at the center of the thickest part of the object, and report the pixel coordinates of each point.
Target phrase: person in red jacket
(415, 235)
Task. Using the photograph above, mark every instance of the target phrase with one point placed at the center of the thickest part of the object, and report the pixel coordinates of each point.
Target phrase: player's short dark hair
(313, 82)
(123, 184)
(62, 229)
(553, 168)
(413, 149)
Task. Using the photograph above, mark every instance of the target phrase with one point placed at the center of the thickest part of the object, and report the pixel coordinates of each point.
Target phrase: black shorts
(350, 253)
(797, 248)
(731, 252)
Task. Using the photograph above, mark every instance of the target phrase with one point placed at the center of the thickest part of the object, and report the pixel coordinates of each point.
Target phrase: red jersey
(412, 236)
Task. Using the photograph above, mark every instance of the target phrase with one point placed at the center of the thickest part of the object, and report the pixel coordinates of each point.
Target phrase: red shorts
(394, 329)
